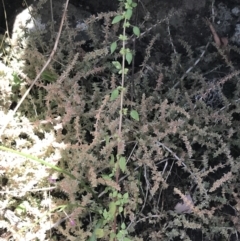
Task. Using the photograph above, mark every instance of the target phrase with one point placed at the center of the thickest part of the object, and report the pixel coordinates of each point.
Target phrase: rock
(40, 20)
(236, 11)
(236, 36)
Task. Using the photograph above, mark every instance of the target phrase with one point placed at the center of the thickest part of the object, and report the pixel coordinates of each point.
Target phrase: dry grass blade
(11, 114)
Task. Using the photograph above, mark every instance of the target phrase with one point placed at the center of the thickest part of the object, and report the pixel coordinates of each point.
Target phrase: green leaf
(129, 57)
(114, 95)
(136, 31)
(117, 19)
(128, 14)
(117, 64)
(122, 164)
(125, 71)
(112, 209)
(16, 80)
(105, 214)
(111, 161)
(21, 208)
(134, 115)
(107, 139)
(113, 47)
(134, 5)
(99, 233)
(49, 76)
(115, 193)
(124, 111)
(106, 177)
(112, 236)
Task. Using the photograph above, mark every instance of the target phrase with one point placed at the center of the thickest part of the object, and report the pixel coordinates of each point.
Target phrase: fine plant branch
(193, 66)
(12, 113)
(6, 19)
(121, 101)
(195, 178)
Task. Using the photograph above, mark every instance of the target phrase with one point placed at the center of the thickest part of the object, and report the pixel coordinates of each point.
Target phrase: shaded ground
(188, 24)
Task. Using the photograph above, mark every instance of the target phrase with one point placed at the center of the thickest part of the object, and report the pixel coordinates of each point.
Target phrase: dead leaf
(185, 206)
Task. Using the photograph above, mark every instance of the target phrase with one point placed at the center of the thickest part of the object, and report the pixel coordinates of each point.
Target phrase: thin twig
(213, 11)
(6, 21)
(194, 64)
(11, 114)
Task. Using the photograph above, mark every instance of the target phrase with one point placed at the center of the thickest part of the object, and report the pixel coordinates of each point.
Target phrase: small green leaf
(117, 64)
(112, 236)
(113, 47)
(99, 233)
(49, 76)
(122, 51)
(122, 164)
(120, 209)
(114, 94)
(123, 226)
(124, 111)
(117, 19)
(127, 24)
(119, 196)
(123, 37)
(136, 31)
(105, 214)
(16, 80)
(106, 177)
(134, 115)
(60, 208)
(115, 193)
(111, 160)
(125, 195)
(129, 57)
(21, 208)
